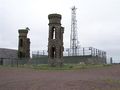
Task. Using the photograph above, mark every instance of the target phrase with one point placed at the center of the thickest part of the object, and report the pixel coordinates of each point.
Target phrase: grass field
(64, 67)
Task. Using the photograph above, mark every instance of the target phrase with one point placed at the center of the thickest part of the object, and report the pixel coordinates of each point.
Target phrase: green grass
(47, 67)
(68, 67)
(64, 67)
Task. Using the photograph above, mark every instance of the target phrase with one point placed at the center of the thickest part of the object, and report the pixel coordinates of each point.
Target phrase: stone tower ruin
(55, 40)
(23, 44)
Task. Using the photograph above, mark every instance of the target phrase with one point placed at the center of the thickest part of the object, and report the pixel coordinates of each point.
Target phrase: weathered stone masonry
(55, 40)
(24, 44)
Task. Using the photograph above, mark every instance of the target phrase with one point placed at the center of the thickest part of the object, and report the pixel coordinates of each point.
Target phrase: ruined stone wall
(55, 40)
(23, 44)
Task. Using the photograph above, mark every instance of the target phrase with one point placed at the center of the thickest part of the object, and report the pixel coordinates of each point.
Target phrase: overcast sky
(98, 23)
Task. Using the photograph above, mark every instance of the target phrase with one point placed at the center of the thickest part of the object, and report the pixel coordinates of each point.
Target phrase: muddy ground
(105, 78)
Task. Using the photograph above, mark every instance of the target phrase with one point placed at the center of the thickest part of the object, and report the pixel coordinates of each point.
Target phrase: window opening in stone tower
(21, 43)
(53, 52)
(53, 33)
(20, 54)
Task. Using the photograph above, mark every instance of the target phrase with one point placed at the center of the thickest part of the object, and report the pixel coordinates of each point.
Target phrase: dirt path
(88, 79)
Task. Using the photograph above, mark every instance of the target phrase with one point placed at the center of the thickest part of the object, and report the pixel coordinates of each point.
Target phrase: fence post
(11, 62)
(17, 62)
(43, 52)
(83, 51)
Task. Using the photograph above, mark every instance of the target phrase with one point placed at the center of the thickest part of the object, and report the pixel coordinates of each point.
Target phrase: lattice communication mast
(73, 37)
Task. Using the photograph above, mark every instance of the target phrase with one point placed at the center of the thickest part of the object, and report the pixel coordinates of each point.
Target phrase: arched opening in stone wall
(21, 55)
(21, 42)
(53, 32)
(53, 52)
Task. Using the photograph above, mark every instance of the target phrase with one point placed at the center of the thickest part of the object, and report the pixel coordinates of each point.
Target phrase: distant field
(69, 77)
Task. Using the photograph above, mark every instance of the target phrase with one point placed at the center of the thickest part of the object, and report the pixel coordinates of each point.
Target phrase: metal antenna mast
(73, 36)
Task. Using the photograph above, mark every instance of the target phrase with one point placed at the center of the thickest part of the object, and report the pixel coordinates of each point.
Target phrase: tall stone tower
(55, 40)
(24, 44)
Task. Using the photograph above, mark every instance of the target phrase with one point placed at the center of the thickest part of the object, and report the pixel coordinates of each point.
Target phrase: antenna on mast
(74, 43)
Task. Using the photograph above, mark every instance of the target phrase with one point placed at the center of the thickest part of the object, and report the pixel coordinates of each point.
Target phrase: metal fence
(43, 54)
(16, 62)
(13, 61)
(83, 51)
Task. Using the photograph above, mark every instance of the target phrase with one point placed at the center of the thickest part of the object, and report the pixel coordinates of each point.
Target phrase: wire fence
(13, 62)
(17, 62)
(83, 51)
(41, 57)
